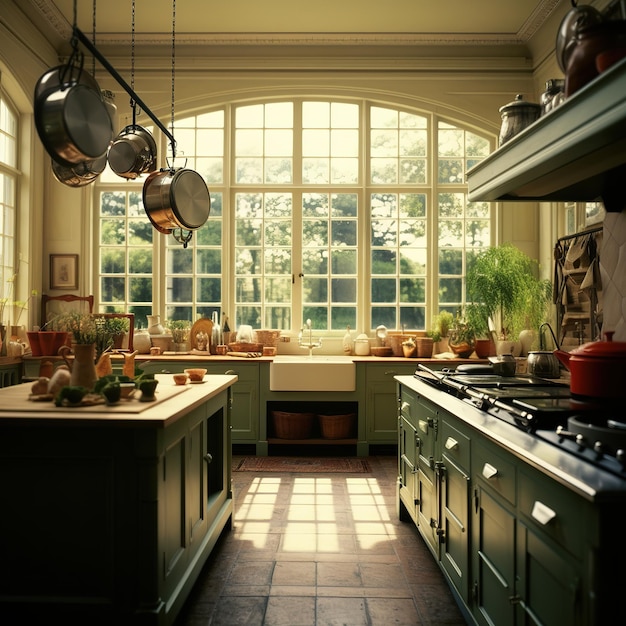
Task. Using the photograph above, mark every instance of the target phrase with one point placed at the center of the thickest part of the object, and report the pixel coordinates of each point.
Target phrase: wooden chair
(68, 299)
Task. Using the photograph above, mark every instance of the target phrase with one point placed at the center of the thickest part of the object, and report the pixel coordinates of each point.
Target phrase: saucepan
(597, 368)
(503, 365)
(176, 199)
(133, 152)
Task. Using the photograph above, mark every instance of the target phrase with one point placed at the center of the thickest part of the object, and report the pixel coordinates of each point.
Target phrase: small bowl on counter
(180, 379)
(196, 374)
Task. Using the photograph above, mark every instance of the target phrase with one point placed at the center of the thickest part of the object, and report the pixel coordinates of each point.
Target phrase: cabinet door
(548, 583)
(407, 466)
(381, 410)
(455, 488)
(493, 566)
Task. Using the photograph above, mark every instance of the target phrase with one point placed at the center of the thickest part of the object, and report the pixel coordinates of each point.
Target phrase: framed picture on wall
(63, 271)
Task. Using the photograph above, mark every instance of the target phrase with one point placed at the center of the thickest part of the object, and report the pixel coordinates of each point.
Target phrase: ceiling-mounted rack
(129, 90)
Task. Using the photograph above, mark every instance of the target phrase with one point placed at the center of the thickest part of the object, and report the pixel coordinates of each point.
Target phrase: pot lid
(519, 105)
(602, 349)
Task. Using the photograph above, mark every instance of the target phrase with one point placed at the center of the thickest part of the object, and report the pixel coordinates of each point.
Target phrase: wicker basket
(268, 337)
(337, 426)
(245, 347)
(292, 425)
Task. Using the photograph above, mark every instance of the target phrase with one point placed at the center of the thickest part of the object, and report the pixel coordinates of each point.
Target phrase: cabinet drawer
(554, 510)
(495, 469)
(386, 371)
(455, 444)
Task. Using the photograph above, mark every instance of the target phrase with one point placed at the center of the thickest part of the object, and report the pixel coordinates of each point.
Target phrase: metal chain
(173, 72)
(93, 30)
(133, 104)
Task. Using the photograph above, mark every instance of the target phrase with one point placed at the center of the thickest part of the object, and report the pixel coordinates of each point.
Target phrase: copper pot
(176, 199)
(597, 368)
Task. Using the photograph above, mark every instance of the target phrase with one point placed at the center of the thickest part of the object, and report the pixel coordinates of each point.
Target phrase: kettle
(544, 363)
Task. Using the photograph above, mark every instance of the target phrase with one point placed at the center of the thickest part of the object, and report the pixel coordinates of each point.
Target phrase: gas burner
(605, 434)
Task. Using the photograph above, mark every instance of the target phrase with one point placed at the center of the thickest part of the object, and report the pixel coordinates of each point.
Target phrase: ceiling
(485, 23)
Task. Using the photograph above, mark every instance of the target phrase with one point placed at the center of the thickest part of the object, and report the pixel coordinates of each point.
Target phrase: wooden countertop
(171, 402)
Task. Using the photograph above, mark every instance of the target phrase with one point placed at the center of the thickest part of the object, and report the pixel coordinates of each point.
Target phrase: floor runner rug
(307, 465)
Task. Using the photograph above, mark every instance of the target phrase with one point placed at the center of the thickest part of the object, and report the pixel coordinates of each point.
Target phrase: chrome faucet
(311, 344)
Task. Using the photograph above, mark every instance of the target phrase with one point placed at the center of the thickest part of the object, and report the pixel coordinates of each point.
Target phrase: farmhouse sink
(314, 373)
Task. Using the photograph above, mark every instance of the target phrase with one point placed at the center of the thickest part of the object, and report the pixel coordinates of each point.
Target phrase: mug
(155, 350)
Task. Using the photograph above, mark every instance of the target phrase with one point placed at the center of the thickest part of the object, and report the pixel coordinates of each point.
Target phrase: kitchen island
(525, 526)
(109, 513)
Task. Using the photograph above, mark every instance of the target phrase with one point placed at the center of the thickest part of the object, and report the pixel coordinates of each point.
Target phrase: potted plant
(442, 323)
(180, 334)
(502, 286)
(116, 328)
(462, 337)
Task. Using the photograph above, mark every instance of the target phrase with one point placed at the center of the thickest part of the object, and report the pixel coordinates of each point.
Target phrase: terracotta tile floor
(325, 549)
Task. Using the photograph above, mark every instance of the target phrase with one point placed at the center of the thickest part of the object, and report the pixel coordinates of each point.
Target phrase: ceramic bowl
(180, 379)
(128, 389)
(196, 374)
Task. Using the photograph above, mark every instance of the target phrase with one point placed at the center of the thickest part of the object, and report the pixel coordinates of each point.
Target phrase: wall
(467, 89)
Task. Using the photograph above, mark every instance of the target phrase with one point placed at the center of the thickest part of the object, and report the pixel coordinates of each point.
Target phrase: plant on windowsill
(502, 285)
(462, 337)
(442, 323)
(180, 333)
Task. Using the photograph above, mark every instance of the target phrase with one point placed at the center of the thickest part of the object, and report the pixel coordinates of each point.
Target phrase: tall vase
(154, 325)
(83, 367)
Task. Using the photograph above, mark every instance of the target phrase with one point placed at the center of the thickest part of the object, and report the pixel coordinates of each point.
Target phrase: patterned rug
(305, 464)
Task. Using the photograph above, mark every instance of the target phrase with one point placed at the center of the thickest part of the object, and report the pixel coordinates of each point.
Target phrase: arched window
(8, 210)
(343, 212)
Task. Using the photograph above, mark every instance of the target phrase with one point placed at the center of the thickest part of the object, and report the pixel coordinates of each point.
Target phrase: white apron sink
(316, 373)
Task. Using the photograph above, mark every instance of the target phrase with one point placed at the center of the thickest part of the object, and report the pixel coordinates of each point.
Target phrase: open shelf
(576, 152)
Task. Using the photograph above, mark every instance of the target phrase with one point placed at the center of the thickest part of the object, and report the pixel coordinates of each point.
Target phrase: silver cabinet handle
(489, 471)
(542, 513)
(406, 407)
(451, 443)
(208, 457)
(422, 425)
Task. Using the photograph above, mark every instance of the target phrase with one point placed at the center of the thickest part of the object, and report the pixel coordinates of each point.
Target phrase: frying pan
(71, 118)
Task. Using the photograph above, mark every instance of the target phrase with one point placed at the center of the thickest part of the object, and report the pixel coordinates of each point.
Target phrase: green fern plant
(502, 284)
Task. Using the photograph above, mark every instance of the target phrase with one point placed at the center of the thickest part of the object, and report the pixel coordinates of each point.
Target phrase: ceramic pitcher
(82, 366)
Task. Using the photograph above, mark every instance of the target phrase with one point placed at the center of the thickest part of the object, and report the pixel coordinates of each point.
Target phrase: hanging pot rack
(80, 36)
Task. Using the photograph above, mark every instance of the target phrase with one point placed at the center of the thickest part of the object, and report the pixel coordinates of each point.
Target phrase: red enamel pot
(597, 368)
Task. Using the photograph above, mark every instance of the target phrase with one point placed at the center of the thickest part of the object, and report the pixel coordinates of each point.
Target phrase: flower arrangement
(81, 326)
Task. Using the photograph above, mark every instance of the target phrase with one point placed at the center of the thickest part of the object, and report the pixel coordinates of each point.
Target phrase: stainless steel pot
(516, 116)
(176, 199)
(80, 174)
(72, 120)
(543, 363)
(503, 365)
(133, 152)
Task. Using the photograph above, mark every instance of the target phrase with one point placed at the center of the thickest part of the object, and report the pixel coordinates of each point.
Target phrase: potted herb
(116, 328)
(502, 286)
(462, 337)
(442, 323)
(180, 334)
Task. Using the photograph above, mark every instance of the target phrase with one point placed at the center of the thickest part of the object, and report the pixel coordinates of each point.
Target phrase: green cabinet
(381, 400)
(517, 543)
(111, 520)
(245, 392)
(10, 371)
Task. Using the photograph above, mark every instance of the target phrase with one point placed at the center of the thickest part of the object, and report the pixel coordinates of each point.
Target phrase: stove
(592, 431)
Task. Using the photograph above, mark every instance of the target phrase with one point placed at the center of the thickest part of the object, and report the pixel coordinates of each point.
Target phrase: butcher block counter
(109, 512)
